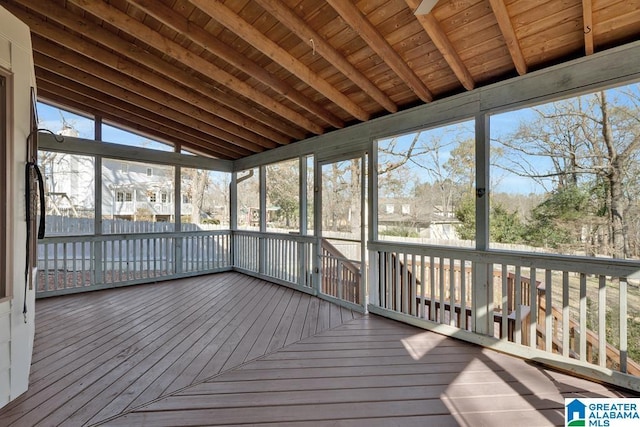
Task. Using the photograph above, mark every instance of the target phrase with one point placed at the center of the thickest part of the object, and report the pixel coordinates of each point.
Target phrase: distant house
(138, 191)
(412, 216)
(130, 190)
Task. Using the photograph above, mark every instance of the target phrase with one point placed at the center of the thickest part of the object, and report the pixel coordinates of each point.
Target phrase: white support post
(302, 191)
(363, 230)
(374, 269)
(262, 248)
(302, 204)
(317, 224)
(98, 266)
(177, 212)
(233, 215)
(482, 271)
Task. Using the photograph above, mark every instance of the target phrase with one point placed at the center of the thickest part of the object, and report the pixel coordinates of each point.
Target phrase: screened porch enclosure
(321, 217)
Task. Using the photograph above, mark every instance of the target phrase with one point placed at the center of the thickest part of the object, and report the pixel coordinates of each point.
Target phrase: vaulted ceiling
(230, 78)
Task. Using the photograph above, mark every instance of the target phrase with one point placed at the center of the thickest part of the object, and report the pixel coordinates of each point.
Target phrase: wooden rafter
(210, 43)
(174, 70)
(62, 94)
(237, 25)
(587, 18)
(509, 34)
(214, 100)
(443, 44)
(117, 85)
(356, 20)
(137, 29)
(139, 85)
(292, 21)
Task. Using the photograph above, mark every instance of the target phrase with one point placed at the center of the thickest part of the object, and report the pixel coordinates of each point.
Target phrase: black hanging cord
(58, 138)
(29, 167)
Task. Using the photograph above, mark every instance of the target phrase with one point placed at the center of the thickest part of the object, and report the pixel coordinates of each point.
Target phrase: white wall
(16, 336)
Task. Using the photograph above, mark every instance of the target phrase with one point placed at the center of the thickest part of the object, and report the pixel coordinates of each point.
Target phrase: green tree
(504, 226)
(283, 192)
(588, 142)
(466, 214)
(558, 220)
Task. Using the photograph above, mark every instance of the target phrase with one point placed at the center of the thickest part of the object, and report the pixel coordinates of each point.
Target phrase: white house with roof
(130, 190)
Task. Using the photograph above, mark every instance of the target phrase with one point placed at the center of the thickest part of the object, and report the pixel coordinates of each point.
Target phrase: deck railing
(69, 264)
(562, 310)
(543, 306)
(283, 258)
(341, 277)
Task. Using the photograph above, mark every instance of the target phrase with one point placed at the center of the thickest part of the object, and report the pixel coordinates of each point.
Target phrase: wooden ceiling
(230, 78)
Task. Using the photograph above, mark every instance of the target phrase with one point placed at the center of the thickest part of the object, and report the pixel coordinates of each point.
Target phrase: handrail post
(482, 276)
(623, 324)
(177, 242)
(316, 274)
(98, 261)
(374, 278)
(233, 218)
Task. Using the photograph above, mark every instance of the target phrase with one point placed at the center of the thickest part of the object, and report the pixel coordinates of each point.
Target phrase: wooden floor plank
(76, 325)
(204, 349)
(261, 343)
(281, 332)
(232, 338)
(115, 351)
(284, 413)
(335, 317)
(131, 384)
(488, 389)
(324, 314)
(86, 338)
(238, 350)
(311, 320)
(103, 344)
(298, 322)
(62, 385)
(97, 390)
(160, 377)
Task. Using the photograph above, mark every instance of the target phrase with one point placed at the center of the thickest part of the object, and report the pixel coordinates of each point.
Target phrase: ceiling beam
(443, 44)
(359, 23)
(207, 41)
(103, 104)
(62, 94)
(137, 29)
(212, 99)
(234, 23)
(297, 25)
(124, 83)
(587, 18)
(509, 34)
(55, 60)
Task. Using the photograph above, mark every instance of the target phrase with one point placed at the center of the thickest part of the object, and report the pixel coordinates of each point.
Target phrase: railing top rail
(341, 239)
(131, 236)
(581, 264)
(283, 236)
(335, 253)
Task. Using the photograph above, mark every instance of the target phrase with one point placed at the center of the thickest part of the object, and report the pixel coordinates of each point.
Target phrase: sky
(51, 118)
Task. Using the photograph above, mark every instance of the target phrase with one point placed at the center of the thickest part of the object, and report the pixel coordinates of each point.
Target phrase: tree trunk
(197, 194)
(614, 177)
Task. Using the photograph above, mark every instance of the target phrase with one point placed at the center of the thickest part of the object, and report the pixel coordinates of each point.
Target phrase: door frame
(319, 162)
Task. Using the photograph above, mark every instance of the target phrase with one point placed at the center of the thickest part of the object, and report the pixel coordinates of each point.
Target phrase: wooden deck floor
(229, 349)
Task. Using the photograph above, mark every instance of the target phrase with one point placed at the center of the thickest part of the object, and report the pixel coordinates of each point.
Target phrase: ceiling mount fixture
(425, 7)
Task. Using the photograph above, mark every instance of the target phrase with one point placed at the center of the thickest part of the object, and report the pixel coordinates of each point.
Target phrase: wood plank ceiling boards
(230, 78)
